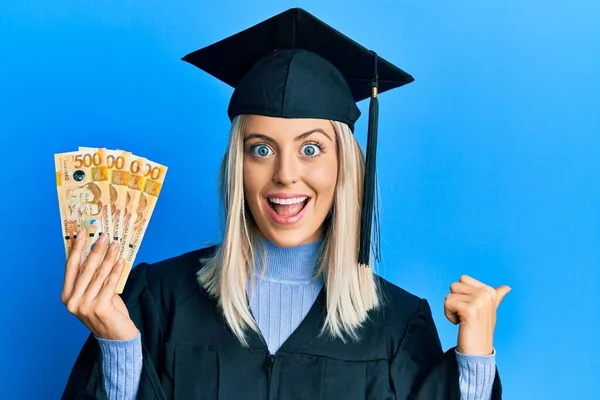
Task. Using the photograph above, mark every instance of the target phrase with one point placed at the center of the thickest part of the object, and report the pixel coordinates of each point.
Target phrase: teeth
(294, 200)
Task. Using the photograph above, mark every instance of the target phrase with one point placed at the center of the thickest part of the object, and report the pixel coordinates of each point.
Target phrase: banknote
(107, 191)
(119, 178)
(83, 195)
(148, 180)
(117, 162)
(134, 190)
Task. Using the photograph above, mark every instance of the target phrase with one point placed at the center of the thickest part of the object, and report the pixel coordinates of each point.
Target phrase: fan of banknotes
(113, 192)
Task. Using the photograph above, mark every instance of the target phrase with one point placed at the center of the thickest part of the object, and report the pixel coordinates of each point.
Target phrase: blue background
(488, 162)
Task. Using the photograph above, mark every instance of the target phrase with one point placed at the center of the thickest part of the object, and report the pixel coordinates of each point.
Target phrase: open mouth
(287, 210)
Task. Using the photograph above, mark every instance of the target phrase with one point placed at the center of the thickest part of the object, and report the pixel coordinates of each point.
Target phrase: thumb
(502, 291)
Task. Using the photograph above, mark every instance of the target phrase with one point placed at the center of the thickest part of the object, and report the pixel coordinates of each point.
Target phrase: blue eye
(311, 150)
(261, 150)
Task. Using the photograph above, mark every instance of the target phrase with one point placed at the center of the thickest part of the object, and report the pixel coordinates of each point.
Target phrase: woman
(287, 306)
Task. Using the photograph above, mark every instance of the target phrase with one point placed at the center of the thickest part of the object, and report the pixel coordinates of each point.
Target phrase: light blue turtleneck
(286, 292)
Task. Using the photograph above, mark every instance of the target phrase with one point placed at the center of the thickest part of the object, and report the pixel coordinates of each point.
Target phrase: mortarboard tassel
(364, 254)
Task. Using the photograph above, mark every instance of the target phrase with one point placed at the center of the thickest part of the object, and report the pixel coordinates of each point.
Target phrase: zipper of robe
(269, 368)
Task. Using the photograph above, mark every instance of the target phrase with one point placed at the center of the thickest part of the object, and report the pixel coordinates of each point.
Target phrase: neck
(294, 264)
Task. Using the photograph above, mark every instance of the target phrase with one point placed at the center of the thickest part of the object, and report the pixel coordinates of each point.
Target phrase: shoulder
(169, 280)
(399, 307)
(396, 295)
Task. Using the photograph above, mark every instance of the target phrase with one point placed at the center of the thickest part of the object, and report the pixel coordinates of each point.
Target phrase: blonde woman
(287, 306)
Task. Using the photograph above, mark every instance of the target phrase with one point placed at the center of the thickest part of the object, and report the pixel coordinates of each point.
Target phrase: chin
(289, 238)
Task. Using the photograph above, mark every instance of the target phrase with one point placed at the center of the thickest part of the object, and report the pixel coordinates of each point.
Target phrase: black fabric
(189, 353)
(294, 65)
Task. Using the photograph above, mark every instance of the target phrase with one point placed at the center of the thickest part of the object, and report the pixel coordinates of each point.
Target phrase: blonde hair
(351, 290)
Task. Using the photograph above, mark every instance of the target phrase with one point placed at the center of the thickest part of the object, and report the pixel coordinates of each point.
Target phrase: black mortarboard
(293, 65)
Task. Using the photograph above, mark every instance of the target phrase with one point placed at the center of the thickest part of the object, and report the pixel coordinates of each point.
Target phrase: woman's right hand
(89, 290)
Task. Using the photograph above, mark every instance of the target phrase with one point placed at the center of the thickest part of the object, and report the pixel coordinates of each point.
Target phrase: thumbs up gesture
(472, 305)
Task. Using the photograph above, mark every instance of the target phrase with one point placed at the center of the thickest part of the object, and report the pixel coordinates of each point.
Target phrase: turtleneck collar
(293, 264)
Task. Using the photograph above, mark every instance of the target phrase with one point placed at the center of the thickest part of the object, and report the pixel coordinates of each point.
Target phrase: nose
(286, 169)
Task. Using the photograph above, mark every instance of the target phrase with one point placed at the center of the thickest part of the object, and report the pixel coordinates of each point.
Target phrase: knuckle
(91, 268)
(70, 264)
(100, 273)
(478, 302)
(108, 276)
(486, 296)
(72, 306)
(72, 255)
(104, 265)
(85, 310)
(86, 268)
(114, 274)
(111, 281)
(471, 309)
(111, 267)
(102, 311)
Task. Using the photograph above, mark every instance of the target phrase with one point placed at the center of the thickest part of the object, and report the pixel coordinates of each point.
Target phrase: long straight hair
(351, 290)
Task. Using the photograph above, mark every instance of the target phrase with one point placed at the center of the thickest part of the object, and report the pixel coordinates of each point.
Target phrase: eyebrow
(299, 137)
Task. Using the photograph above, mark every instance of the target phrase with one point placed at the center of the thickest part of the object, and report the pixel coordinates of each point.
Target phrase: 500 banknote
(83, 195)
(107, 191)
(148, 179)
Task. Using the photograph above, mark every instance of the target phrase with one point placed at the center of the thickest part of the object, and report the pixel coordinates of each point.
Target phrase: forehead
(282, 128)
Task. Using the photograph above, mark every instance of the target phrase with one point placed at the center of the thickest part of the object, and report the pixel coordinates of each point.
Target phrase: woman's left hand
(472, 305)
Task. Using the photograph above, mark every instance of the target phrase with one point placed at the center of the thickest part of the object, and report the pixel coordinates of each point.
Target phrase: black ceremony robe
(189, 353)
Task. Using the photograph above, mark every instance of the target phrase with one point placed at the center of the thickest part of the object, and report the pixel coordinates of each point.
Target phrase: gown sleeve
(421, 370)
(86, 380)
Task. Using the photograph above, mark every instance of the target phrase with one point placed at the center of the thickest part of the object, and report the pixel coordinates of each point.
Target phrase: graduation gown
(189, 353)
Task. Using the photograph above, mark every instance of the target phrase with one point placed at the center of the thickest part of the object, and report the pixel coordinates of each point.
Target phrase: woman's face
(290, 174)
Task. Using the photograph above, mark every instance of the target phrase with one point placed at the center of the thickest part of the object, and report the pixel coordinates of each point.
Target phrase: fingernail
(121, 262)
(113, 246)
(102, 238)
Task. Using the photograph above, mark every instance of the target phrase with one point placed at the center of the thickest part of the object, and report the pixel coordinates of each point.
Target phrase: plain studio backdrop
(488, 163)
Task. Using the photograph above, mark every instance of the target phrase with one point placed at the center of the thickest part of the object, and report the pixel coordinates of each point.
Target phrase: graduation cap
(293, 65)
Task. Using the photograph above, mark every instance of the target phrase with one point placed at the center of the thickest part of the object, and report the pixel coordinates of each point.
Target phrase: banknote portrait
(84, 200)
